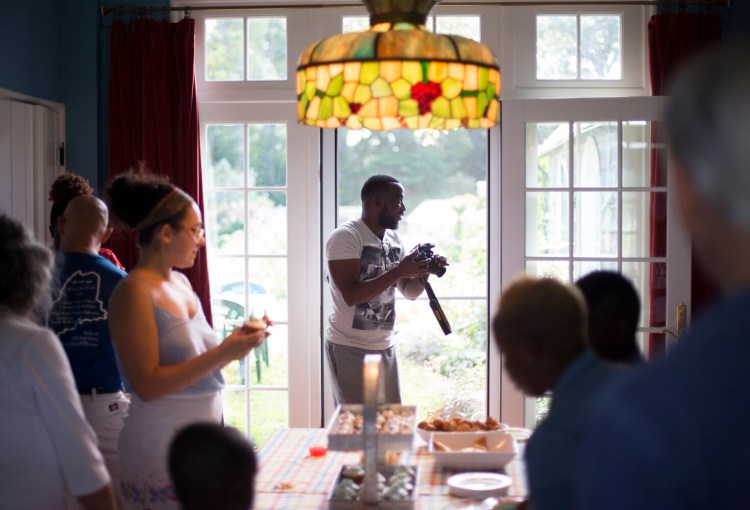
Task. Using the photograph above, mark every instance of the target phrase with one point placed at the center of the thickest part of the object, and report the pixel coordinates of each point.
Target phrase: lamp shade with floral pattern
(397, 75)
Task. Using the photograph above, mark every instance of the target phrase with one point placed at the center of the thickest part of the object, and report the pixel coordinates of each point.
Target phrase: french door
(581, 196)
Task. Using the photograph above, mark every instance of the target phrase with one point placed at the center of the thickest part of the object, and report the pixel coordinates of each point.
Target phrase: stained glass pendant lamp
(398, 75)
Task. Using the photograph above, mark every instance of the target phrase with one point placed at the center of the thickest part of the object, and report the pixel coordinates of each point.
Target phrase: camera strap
(437, 310)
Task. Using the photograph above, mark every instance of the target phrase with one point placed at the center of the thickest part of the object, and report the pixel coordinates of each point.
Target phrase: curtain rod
(188, 9)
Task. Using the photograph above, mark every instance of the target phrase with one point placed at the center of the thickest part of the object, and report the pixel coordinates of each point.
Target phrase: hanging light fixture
(398, 75)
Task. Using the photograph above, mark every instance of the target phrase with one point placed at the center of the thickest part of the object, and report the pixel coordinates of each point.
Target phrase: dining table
(290, 478)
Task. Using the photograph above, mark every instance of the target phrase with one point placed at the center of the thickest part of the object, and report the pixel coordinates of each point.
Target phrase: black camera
(425, 253)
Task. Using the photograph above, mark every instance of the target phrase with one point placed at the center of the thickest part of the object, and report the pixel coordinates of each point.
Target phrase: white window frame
(518, 58)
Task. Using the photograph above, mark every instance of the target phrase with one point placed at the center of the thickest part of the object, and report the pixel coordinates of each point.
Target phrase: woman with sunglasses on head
(170, 358)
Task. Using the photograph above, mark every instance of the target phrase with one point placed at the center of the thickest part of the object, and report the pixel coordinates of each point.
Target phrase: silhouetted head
(212, 467)
(614, 309)
(26, 270)
(540, 329)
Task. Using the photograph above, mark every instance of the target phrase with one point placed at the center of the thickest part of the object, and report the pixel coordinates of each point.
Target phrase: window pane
(354, 24)
(547, 216)
(224, 49)
(601, 48)
(595, 224)
(266, 222)
(225, 225)
(644, 275)
(595, 159)
(235, 408)
(269, 410)
(267, 159)
(454, 368)
(467, 26)
(547, 155)
(559, 269)
(637, 272)
(271, 274)
(636, 229)
(228, 285)
(556, 48)
(584, 267)
(226, 154)
(272, 361)
(266, 49)
(636, 153)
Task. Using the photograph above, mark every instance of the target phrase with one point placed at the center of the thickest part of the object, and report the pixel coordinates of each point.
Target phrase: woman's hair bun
(133, 194)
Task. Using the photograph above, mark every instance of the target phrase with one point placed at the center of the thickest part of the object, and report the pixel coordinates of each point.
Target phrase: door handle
(681, 322)
(681, 319)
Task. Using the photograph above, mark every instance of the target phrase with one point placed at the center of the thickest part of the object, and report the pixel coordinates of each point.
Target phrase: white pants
(106, 414)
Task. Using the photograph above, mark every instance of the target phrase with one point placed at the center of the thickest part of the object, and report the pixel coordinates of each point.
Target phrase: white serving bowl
(426, 435)
(501, 449)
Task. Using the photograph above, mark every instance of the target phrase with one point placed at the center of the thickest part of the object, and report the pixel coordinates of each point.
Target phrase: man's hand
(410, 268)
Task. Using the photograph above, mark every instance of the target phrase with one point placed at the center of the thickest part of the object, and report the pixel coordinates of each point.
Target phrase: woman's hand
(241, 341)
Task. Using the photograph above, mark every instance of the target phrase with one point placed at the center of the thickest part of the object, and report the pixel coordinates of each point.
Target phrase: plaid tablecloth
(290, 479)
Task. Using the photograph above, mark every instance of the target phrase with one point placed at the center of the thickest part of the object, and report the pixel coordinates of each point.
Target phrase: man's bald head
(84, 226)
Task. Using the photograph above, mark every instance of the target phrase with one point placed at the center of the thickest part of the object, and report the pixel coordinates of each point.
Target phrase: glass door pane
(245, 186)
(593, 223)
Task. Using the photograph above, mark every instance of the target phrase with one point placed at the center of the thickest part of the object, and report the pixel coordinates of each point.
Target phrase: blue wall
(79, 20)
(29, 48)
(59, 50)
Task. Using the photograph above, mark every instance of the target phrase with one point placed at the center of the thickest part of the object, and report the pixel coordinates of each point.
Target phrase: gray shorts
(346, 364)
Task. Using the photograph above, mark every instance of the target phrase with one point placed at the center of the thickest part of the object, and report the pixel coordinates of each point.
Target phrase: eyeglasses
(198, 231)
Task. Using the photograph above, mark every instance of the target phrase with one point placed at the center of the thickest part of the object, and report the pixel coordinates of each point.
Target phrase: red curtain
(153, 117)
(672, 40)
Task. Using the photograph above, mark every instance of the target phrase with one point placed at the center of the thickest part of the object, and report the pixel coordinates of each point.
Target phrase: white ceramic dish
(478, 485)
(501, 449)
(426, 435)
(520, 434)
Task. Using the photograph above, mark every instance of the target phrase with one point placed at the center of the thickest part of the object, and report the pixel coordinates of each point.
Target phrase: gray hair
(708, 120)
(26, 270)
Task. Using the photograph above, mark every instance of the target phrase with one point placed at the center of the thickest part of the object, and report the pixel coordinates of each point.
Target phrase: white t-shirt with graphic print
(366, 325)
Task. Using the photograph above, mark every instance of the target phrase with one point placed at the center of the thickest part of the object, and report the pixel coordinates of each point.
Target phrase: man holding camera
(366, 263)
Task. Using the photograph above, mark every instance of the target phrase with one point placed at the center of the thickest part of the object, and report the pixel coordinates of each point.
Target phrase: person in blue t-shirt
(85, 281)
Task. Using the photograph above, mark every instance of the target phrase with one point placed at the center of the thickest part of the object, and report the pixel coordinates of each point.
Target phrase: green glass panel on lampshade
(302, 103)
(441, 107)
(412, 72)
(362, 94)
(380, 88)
(401, 89)
(310, 90)
(458, 110)
(451, 88)
(408, 108)
(369, 72)
(482, 101)
(335, 85)
(483, 78)
(341, 108)
(326, 108)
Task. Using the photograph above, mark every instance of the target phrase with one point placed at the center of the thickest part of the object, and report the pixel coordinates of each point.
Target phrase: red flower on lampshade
(425, 93)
